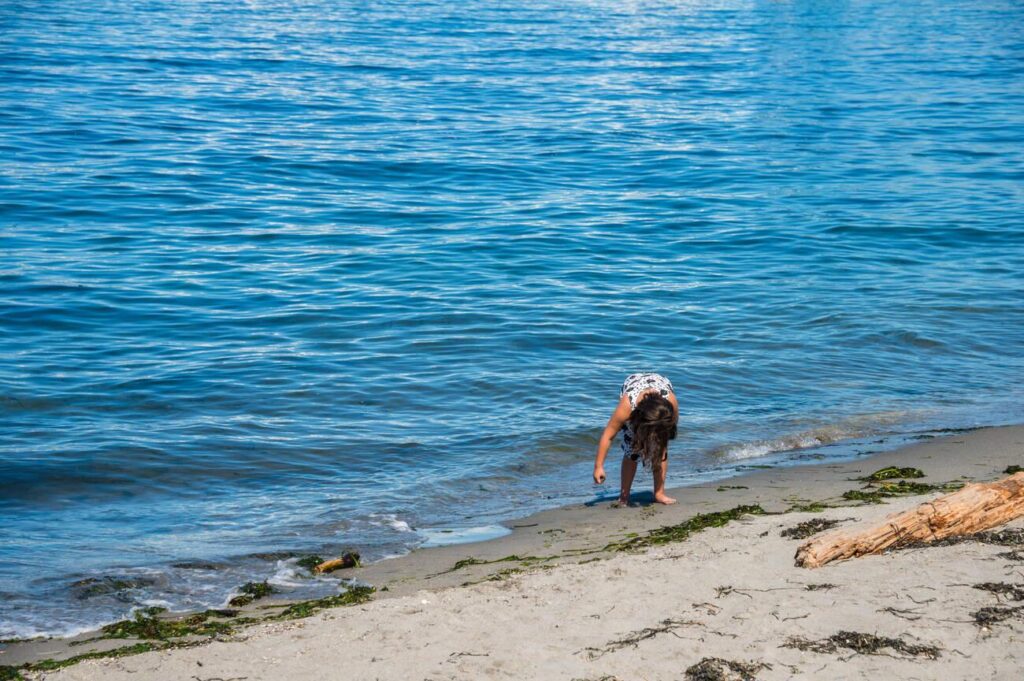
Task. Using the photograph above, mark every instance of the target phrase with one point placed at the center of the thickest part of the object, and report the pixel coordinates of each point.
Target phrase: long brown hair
(653, 423)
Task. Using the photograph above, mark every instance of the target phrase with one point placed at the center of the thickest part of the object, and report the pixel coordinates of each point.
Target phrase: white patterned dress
(634, 386)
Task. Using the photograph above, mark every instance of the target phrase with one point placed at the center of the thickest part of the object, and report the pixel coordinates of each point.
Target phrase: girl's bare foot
(664, 499)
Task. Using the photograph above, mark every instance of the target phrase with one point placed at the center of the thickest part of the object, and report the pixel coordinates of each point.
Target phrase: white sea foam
(856, 427)
(441, 536)
(390, 520)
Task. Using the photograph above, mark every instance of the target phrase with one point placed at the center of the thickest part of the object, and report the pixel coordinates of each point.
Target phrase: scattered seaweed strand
(683, 530)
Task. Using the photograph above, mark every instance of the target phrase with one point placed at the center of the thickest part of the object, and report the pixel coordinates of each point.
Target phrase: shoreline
(580, 533)
(440, 536)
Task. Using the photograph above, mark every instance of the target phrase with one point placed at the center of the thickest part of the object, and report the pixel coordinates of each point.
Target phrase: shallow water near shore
(294, 277)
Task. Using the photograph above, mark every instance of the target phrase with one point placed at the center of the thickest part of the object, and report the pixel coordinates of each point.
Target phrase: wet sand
(554, 603)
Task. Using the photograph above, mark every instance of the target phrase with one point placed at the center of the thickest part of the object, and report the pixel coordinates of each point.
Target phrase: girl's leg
(660, 471)
(628, 473)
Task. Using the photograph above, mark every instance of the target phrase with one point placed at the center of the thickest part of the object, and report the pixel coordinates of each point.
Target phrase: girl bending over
(647, 414)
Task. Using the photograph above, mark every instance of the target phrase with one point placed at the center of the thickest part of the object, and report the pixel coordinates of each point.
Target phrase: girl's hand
(599, 475)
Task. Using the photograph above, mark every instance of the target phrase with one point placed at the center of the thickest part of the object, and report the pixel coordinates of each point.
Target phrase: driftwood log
(976, 507)
(348, 559)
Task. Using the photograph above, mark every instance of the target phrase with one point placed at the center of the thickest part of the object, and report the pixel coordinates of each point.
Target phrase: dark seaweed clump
(1009, 537)
(986, 617)
(49, 665)
(526, 561)
(1010, 470)
(892, 472)
(148, 626)
(165, 634)
(808, 527)
(1014, 592)
(901, 488)
(863, 644)
(10, 674)
(251, 591)
(682, 531)
(632, 639)
(309, 562)
(717, 669)
(809, 507)
(353, 596)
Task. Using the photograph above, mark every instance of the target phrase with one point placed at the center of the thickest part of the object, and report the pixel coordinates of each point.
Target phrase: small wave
(288, 576)
(390, 520)
(759, 448)
(861, 426)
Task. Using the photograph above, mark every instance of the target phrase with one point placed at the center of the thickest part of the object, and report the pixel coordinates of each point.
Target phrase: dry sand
(731, 592)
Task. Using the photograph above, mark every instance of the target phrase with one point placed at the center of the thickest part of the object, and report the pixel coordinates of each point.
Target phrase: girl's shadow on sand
(637, 499)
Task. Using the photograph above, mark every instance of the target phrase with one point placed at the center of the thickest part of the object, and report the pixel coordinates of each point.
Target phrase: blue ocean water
(304, 275)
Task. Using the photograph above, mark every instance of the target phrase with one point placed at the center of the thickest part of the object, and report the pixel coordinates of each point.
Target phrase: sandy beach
(553, 601)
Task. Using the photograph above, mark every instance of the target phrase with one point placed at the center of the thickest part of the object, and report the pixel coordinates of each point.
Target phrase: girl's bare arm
(615, 423)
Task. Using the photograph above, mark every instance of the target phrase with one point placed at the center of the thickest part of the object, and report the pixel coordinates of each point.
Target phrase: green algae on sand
(147, 625)
(49, 665)
(683, 530)
(354, 595)
(166, 634)
(863, 644)
(893, 472)
(251, 591)
(526, 561)
(10, 674)
(874, 494)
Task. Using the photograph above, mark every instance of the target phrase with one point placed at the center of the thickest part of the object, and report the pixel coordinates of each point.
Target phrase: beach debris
(808, 527)
(251, 591)
(723, 488)
(819, 587)
(976, 507)
(8, 673)
(1010, 470)
(728, 590)
(349, 559)
(909, 614)
(526, 561)
(862, 644)
(809, 507)
(682, 531)
(718, 669)
(50, 664)
(986, 617)
(1011, 555)
(1008, 537)
(309, 562)
(353, 595)
(148, 625)
(633, 639)
(454, 657)
(874, 493)
(167, 633)
(1013, 592)
(893, 472)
